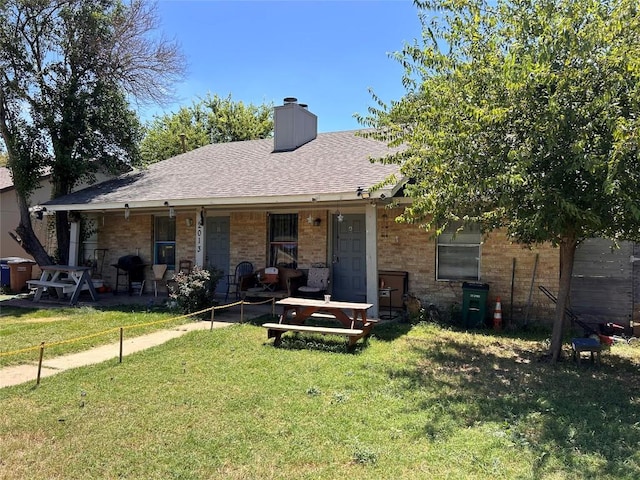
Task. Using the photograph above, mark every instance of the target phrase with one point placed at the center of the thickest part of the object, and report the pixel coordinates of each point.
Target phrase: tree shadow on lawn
(566, 410)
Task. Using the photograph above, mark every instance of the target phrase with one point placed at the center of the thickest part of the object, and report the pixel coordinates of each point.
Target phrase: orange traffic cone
(497, 315)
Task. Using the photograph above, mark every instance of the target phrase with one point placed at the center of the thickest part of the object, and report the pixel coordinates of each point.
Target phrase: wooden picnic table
(64, 279)
(354, 326)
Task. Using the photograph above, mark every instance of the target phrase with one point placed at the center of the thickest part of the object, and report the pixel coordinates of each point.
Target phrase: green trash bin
(474, 304)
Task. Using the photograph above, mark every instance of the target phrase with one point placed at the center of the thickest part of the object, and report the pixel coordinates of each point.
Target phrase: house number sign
(199, 243)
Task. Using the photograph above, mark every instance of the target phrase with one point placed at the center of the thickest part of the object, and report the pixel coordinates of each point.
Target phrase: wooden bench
(61, 287)
(69, 286)
(275, 330)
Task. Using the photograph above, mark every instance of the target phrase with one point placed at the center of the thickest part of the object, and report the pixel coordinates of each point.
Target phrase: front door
(217, 253)
(349, 259)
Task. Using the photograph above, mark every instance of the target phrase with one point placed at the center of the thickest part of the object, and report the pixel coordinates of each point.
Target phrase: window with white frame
(164, 241)
(283, 240)
(458, 253)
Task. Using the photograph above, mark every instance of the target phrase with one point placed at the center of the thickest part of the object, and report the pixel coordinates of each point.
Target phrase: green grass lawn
(417, 402)
(21, 328)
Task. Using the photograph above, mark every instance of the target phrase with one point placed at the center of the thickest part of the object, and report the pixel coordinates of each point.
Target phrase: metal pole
(241, 311)
(121, 341)
(213, 310)
(40, 362)
(513, 275)
(533, 279)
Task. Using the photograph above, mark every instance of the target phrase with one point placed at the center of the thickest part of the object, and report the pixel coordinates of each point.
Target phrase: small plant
(313, 391)
(364, 455)
(340, 397)
(194, 291)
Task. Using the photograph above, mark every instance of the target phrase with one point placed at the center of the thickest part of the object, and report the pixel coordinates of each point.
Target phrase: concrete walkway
(18, 374)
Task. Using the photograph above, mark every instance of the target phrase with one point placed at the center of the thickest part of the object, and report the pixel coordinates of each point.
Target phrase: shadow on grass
(585, 417)
(386, 332)
(10, 311)
(390, 331)
(321, 343)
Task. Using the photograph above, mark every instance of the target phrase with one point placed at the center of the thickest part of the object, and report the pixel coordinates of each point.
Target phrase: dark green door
(349, 274)
(217, 253)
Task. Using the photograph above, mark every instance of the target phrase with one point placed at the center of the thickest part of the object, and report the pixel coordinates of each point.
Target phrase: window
(283, 240)
(164, 247)
(458, 254)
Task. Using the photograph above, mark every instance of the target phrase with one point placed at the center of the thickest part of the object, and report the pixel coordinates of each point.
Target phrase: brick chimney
(294, 125)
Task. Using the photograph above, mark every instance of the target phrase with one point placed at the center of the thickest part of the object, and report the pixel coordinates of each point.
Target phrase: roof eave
(242, 202)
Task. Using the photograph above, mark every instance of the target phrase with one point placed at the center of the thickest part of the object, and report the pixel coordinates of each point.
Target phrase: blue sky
(326, 53)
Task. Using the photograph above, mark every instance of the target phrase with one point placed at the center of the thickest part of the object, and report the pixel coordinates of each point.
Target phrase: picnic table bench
(67, 286)
(355, 327)
(77, 279)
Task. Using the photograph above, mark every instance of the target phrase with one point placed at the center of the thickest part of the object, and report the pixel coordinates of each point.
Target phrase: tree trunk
(62, 236)
(27, 237)
(567, 253)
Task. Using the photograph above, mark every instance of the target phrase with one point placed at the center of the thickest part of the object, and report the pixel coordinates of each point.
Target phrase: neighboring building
(299, 199)
(44, 228)
(10, 216)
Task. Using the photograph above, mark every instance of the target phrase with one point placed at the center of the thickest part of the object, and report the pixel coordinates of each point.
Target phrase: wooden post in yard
(40, 363)
(121, 342)
(533, 279)
(513, 276)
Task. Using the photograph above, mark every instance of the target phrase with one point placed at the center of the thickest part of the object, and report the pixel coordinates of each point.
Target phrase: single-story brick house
(300, 199)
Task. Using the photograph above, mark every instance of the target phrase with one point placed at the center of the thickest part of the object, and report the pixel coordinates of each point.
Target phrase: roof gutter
(218, 202)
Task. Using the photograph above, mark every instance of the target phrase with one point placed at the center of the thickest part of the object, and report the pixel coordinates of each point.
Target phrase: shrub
(194, 291)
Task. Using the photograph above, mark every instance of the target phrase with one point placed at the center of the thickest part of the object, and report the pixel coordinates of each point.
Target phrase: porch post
(371, 223)
(200, 233)
(74, 243)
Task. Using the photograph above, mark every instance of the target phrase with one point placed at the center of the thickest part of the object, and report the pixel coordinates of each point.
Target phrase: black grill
(131, 267)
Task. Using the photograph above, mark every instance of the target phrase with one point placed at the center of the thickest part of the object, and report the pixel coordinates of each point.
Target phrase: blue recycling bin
(5, 274)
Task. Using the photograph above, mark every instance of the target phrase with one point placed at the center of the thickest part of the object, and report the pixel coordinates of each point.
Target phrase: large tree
(68, 69)
(523, 115)
(212, 119)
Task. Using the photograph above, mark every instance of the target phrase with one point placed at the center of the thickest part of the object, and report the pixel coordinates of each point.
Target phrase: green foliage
(194, 291)
(210, 120)
(78, 117)
(67, 72)
(522, 115)
(364, 455)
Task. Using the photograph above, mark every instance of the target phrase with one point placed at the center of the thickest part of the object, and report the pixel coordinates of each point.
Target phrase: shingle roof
(330, 164)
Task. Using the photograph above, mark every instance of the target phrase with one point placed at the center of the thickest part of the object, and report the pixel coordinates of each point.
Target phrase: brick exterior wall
(400, 247)
(313, 240)
(135, 237)
(410, 248)
(248, 238)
